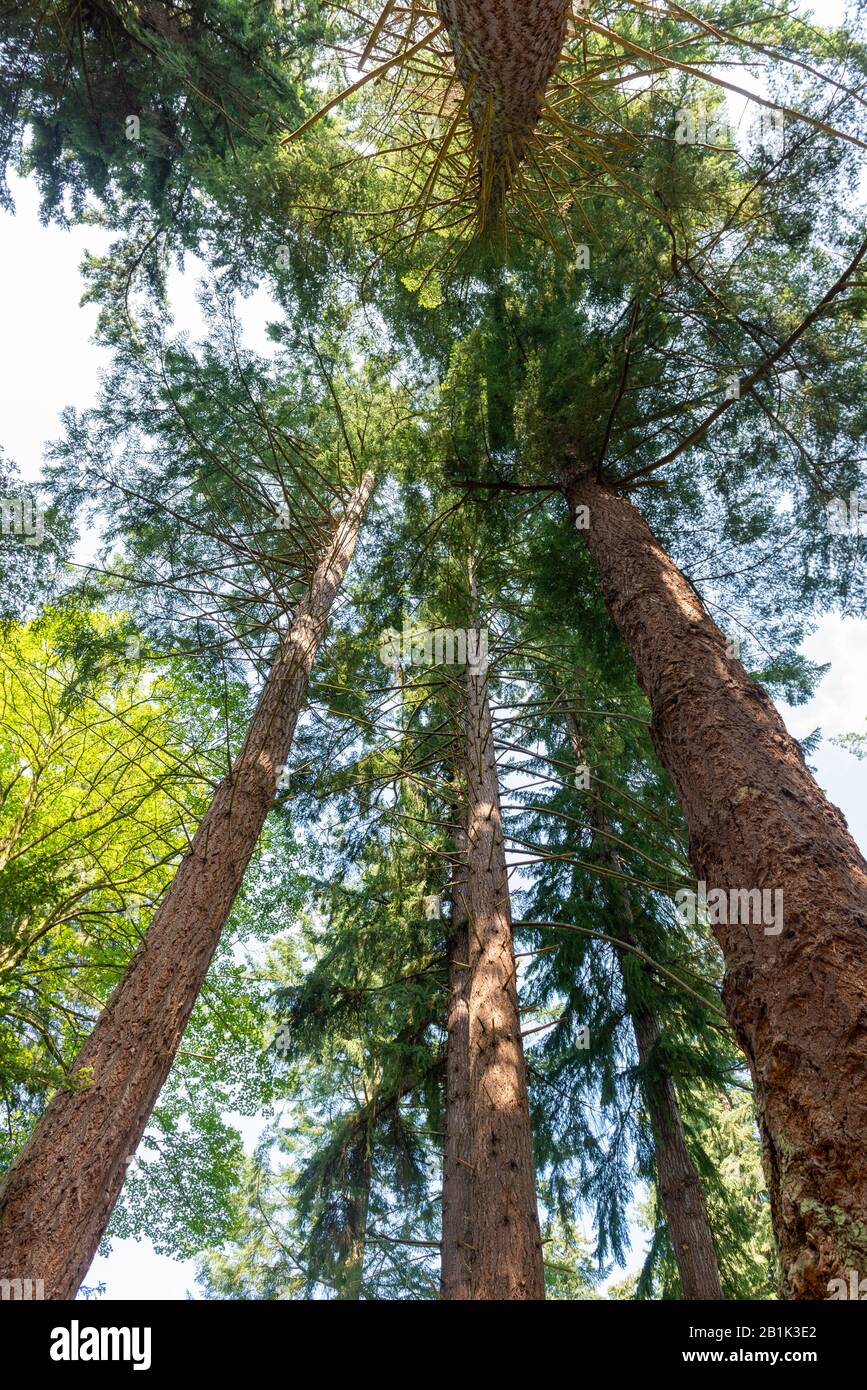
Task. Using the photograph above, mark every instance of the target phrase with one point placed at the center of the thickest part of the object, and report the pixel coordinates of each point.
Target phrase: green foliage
(199, 81)
(466, 370)
(100, 787)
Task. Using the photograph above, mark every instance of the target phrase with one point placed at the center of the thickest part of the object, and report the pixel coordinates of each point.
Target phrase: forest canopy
(409, 888)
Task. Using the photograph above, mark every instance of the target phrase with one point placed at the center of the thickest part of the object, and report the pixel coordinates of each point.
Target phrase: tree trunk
(351, 1275)
(455, 1273)
(797, 999)
(507, 50)
(680, 1189)
(506, 1246)
(60, 1192)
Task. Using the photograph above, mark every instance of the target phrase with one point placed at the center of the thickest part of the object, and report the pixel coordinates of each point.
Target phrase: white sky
(47, 361)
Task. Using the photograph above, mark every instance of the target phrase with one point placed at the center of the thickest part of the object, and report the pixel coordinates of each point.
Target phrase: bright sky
(47, 361)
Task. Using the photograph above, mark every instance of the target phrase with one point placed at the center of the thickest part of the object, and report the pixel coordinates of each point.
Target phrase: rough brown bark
(505, 1258)
(455, 1281)
(507, 50)
(60, 1192)
(797, 1001)
(680, 1190)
